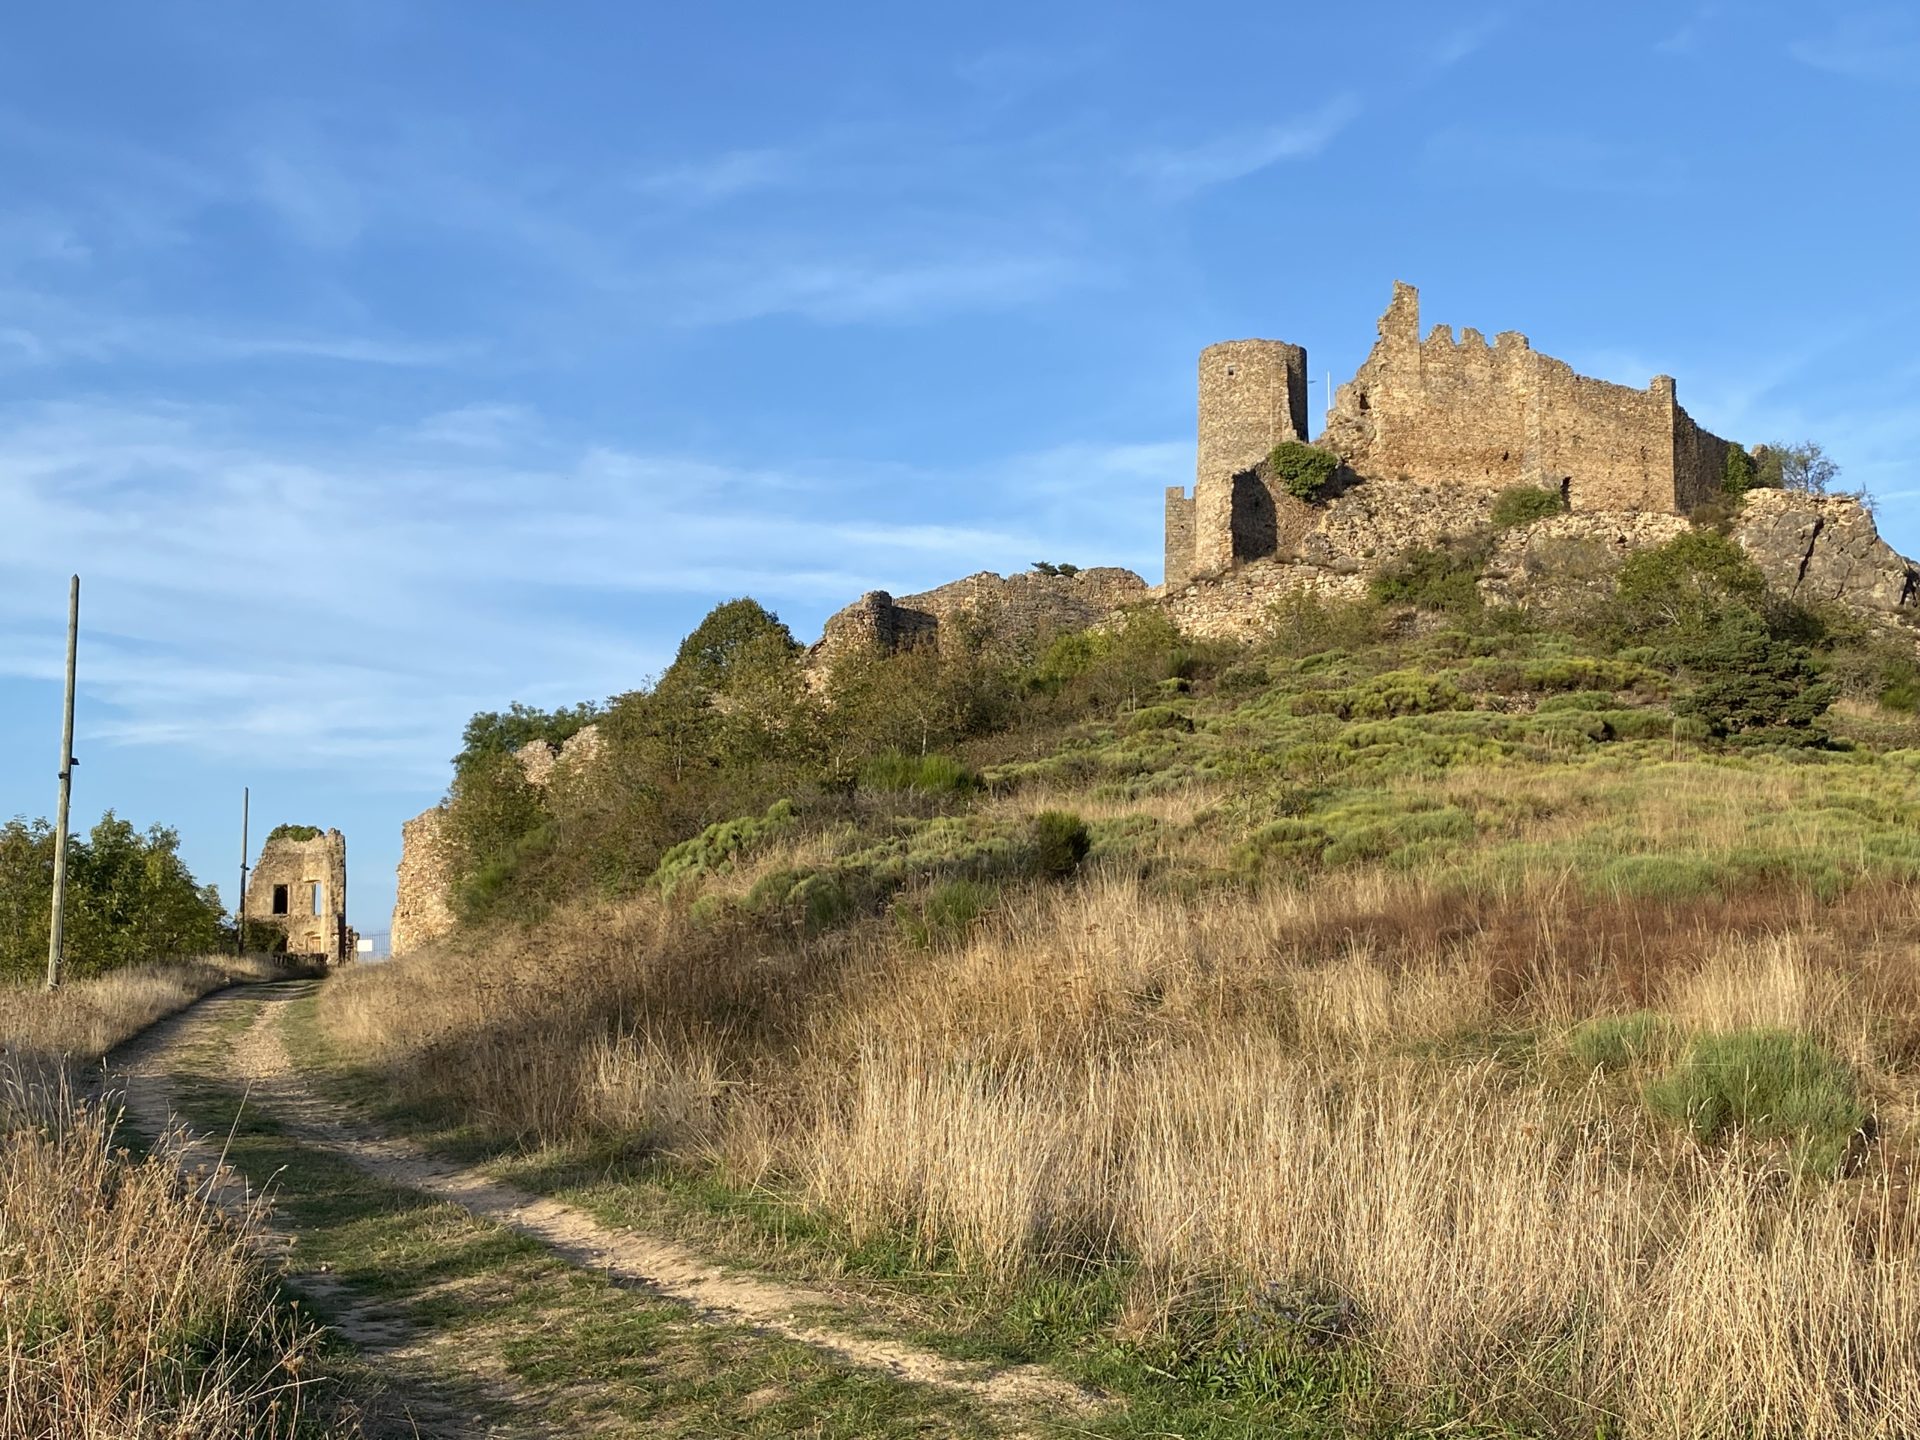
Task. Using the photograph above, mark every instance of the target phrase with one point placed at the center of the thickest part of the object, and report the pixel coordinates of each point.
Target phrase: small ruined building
(1465, 416)
(299, 886)
(1018, 608)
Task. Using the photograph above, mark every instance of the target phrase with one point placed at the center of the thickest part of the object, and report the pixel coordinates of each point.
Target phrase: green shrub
(293, 832)
(1524, 504)
(1773, 1084)
(934, 774)
(1684, 585)
(1445, 577)
(716, 849)
(1900, 686)
(1060, 843)
(1746, 682)
(1397, 692)
(1615, 1042)
(946, 913)
(1302, 470)
(1158, 717)
(1581, 672)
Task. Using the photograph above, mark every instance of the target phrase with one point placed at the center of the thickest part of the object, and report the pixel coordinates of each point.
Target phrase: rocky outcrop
(1826, 549)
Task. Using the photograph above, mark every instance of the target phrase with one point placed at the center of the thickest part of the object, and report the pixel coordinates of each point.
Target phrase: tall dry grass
(84, 1019)
(1360, 1091)
(131, 1308)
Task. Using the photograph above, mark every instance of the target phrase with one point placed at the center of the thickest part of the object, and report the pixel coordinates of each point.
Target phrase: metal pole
(56, 929)
(240, 929)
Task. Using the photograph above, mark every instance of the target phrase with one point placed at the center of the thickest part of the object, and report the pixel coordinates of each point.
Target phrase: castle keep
(1463, 414)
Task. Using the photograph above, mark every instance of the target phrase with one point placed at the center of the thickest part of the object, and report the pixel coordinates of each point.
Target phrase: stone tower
(1253, 395)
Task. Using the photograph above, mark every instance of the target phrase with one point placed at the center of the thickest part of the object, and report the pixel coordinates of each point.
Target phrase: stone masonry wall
(300, 887)
(422, 908)
(1015, 608)
(1253, 395)
(1493, 416)
(1179, 560)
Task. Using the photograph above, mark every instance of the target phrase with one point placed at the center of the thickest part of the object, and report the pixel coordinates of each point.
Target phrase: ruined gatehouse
(299, 887)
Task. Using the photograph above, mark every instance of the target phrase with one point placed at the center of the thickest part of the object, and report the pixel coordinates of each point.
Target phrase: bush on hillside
(1619, 1042)
(1745, 681)
(1771, 1084)
(1060, 843)
(1524, 504)
(1304, 471)
(934, 774)
(1444, 577)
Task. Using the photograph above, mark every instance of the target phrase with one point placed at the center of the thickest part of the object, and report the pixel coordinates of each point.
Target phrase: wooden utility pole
(240, 930)
(56, 930)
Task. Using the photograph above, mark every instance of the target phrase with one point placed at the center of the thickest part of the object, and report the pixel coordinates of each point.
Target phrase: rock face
(1826, 548)
(1015, 608)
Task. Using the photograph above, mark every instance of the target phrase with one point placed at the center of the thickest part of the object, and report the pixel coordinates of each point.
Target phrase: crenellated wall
(1488, 417)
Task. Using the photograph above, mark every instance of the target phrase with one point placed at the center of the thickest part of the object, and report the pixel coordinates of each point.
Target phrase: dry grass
(130, 1307)
(84, 1019)
(1359, 1089)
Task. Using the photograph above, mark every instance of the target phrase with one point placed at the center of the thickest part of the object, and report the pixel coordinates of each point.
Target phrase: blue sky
(380, 362)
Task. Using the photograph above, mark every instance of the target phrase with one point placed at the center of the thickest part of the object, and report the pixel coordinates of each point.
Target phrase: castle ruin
(1465, 415)
(299, 887)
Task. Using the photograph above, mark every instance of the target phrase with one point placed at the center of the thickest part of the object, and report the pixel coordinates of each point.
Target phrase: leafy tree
(1684, 586)
(739, 632)
(1804, 468)
(130, 899)
(1302, 470)
(1740, 473)
(500, 732)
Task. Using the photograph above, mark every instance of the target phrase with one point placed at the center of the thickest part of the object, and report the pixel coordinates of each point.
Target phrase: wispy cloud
(314, 603)
(1685, 38)
(1574, 163)
(1467, 40)
(855, 290)
(1865, 45)
(1184, 170)
(720, 177)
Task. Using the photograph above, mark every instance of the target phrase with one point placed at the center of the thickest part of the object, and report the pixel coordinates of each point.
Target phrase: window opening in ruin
(279, 899)
(1231, 371)
(316, 896)
(1566, 493)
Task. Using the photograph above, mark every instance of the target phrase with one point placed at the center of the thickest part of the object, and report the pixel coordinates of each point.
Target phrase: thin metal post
(240, 929)
(56, 929)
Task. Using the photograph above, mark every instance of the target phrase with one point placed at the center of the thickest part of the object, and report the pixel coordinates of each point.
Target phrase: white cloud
(311, 604)
(1466, 41)
(1865, 45)
(1180, 171)
(850, 290)
(1573, 163)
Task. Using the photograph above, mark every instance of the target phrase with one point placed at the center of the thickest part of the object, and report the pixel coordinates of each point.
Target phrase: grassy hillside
(1419, 1018)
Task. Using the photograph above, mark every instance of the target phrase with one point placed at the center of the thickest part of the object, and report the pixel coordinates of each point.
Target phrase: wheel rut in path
(258, 1061)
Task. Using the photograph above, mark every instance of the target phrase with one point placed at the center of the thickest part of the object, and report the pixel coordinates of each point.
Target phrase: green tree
(499, 732)
(1804, 468)
(1684, 586)
(1740, 474)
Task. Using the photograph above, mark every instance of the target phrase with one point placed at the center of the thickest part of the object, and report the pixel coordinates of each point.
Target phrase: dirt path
(257, 1061)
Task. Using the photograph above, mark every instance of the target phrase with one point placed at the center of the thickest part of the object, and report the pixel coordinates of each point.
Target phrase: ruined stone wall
(1699, 463)
(1013, 609)
(1494, 416)
(1237, 605)
(422, 899)
(1179, 562)
(300, 887)
(1253, 395)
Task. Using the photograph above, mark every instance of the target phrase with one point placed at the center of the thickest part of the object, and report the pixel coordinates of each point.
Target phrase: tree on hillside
(1804, 468)
(499, 732)
(739, 634)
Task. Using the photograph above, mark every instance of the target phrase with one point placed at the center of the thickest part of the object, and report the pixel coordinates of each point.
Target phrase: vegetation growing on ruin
(1524, 504)
(1304, 471)
(293, 832)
